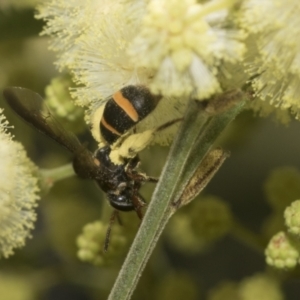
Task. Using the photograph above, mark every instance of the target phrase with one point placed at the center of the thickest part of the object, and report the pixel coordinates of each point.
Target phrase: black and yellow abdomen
(125, 109)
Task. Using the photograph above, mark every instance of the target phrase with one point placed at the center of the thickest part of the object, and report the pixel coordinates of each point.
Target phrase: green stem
(206, 138)
(50, 176)
(183, 160)
(248, 237)
(58, 173)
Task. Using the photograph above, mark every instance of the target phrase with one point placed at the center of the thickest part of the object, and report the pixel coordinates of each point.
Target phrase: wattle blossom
(18, 193)
(183, 43)
(273, 28)
(106, 45)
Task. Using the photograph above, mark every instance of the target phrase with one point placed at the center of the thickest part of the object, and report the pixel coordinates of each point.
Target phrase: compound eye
(120, 202)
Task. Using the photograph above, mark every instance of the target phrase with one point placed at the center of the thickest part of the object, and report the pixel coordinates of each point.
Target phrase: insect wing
(28, 105)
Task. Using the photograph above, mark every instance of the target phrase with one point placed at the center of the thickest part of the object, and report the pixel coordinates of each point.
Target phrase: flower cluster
(91, 40)
(189, 233)
(183, 43)
(258, 286)
(292, 218)
(18, 193)
(174, 47)
(179, 48)
(91, 242)
(282, 188)
(273, 29)
(282, 252)
(59, 101)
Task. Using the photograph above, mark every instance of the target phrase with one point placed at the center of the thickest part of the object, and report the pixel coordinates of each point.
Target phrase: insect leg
(113, 217)
(138, 202)
(135, 175)
(168, 124)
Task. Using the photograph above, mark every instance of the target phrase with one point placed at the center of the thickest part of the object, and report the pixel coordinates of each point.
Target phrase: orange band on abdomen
(109, 127)
(125, 104)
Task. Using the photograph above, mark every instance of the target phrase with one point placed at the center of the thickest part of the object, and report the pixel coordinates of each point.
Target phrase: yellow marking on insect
(126, 105)
(109, 127)
(94, 121)
(131, 146)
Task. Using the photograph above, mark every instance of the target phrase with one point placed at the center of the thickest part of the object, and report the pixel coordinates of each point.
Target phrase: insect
(121, 182)
(124, 109)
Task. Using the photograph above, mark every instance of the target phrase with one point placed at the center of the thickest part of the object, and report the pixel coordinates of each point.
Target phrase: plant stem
(49, 176)
(207, 135)
(199, 128)
(248, 237)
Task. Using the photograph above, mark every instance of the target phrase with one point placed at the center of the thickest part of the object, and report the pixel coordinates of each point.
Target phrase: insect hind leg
(113, 217)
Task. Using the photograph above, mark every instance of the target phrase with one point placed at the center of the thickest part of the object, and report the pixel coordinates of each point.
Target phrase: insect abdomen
(125, 109)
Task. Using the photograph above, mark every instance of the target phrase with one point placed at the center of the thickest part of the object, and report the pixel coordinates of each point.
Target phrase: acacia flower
(273, 27)
(18, 193)
(58, 100)
(282, 252)
(292, 218)
(66, 21)
(102, 64)
(90, 244)
(91, 40)
(183, 43)
(260, 286)
(106, 45)
(93, 46)
(282, 187)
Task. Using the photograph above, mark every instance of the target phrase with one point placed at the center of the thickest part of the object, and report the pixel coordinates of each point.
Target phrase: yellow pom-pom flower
(183, 42)
(273, 27)
(292, 218)
(18, 193)
(260, 286)
(282, 252)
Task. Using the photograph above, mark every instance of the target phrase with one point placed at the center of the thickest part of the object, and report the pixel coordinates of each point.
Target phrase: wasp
(120, 181)
(124, 110)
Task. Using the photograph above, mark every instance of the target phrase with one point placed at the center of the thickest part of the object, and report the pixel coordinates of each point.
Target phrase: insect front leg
(132, 173)
(138, 203)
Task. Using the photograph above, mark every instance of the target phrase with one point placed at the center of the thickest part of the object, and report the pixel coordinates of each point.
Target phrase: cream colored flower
(103, 45)
(260, 286)
(97, 54)
(60, 103)
(273, 27)
(18, 193)
(102, 64)
(183, 43)
(66, 21)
